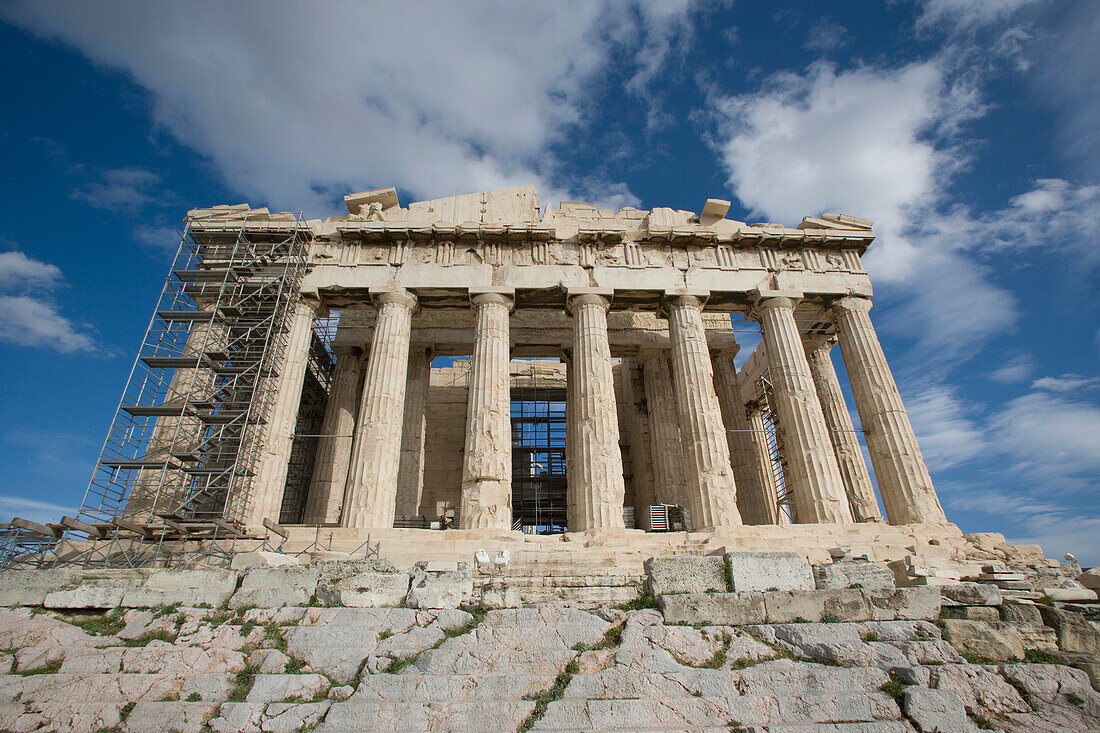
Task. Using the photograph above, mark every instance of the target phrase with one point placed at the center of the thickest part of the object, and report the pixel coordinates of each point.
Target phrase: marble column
(269, 483)
(849, 456)
(765, 469)
(903, 478)
(487, 460)
(812, 476)
(330, 472)
(598, 473)
(410, 475)
(752, 502)
(709, 482)
(572, 496)
(664, 428)
(376, 453)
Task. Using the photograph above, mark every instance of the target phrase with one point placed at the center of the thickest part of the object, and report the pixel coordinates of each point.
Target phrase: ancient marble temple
(623, 318)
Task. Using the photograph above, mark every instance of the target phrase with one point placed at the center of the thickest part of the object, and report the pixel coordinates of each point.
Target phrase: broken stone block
(762, 571)
(1070, 595)
(852, 574)
(371, 590)
(977, 639)
(1020, 614)
(282, 717)
(184, 587)
(982, 613)
(100, 593)
(265, 587)
(917, 603)
(500, 595)
(720, 609)
(262, 559)
(1090, 579)
(971, 594)
(936, 710)
(816, 605)
(440, 589)
(1075, 632)
(275, 687)
(30, 587)
(685, 574)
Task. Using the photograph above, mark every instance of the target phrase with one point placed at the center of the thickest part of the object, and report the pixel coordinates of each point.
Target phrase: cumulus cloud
(28, 317)
(825, 35)
(298, 103)
(119, 189)
(874, 142)
(1065, 383)
(17, 271)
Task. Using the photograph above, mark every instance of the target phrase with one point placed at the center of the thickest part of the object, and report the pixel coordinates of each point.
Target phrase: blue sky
(967, 129)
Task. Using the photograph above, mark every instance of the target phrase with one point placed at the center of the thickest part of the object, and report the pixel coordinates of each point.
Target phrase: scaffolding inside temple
(773, 444)
(538, 454)
(186, 437)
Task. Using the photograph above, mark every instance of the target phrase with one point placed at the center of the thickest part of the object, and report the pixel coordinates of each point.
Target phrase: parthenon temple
(480, 362)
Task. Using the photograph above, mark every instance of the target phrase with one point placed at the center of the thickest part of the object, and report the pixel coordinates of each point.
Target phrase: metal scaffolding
(773, 441)
(538, 455)
(186, 437)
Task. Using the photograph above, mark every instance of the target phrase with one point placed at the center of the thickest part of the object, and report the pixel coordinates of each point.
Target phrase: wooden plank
(277, 529)
(30, 526)
(134, 527)
(228, 527)
(183, 529)
(95, 530)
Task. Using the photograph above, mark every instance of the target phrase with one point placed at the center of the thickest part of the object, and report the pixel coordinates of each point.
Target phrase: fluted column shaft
(664, 428)
(572, 486)
(410, 475)
(765, 469)
(751, 500)
(849, 456)
(709, 482)
(903, 478)
(598, 472)
(270, 481)
(813, 477)
(487, 461)
(376, 453)
(330, 472)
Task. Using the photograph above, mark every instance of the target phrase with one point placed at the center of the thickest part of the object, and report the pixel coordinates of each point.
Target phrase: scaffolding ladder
(186, 436)
(773, 440)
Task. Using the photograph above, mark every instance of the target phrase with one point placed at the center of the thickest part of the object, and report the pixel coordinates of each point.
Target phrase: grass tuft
(644, 600)
(51, 668)
(544, 698)
(144, 639)
(244, 680)
(871, 636)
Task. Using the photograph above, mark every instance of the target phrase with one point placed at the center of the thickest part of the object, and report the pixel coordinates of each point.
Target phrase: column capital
(346, 351)
(853, 303)
(726, 351)
(588, 296)
(683, 299)
(815, 341)
(490, 297)
(399, 296)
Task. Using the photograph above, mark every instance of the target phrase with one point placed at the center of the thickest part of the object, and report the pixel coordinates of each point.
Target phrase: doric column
(572, 495)
(487, 461)
(752, 503)
(664, 428)
(410, 475)
(903, 479)
(765, 469)
(330, 472)
(636, 424)
(813, 478)
(270, 480)
(709, 481)
(376, 454)
(598, 472)
(849, 456)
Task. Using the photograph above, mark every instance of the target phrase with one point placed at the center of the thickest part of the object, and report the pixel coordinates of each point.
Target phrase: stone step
(475, 715)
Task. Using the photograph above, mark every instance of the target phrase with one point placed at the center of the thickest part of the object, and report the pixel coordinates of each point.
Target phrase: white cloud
(825, 35)
(873, 142)
(1051, 439)
(120, 189)
(297, 103)
(159, 239)
(1014, 370)
(1065, 383)
(967, 15)
(36, 511)
(17, 272)
(27, 315)
(948, 433)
